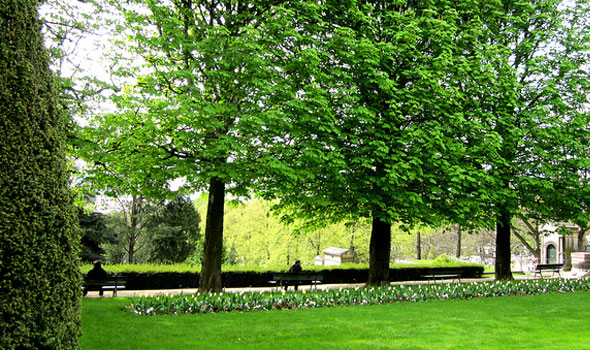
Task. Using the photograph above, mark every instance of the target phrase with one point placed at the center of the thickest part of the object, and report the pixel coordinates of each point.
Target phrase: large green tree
(538, 100)
(202, 106)
(39, 272)
(389, 138)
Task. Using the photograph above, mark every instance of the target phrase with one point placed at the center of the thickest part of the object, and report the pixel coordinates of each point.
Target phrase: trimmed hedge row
(175, 280)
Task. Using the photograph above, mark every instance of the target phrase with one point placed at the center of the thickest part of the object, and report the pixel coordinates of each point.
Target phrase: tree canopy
(434, 112)
(202, 106)
(474, 117)
(394, 140)
(539, 100)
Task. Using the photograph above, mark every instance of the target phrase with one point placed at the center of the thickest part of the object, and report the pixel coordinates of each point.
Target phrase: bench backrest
(301, 276)
(114, 279)
(548, 266)
(445, 271)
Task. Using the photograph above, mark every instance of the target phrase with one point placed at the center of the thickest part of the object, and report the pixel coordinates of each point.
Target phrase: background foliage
(256, 237)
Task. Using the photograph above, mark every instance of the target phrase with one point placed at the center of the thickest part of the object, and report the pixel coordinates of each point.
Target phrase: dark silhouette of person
(295, 268)
(97, 273)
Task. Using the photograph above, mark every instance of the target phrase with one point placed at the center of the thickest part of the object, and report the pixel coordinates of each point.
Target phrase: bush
(145, 276)
(39, 284)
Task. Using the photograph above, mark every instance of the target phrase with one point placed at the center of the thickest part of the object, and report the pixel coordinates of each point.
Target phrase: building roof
(336, 251)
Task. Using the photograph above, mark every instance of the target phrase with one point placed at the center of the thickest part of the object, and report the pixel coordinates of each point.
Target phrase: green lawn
(549, 321)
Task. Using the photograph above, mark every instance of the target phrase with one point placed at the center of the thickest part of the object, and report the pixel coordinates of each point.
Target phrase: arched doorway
(551, 254)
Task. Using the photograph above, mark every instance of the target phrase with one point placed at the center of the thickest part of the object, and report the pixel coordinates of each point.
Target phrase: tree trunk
(210, 277)
(418, 247)
(536, 250)
(379, 251)
(503, 252)
(581, 242)
(352, 248)
(532, 229)
(131, 253)
(458, 251)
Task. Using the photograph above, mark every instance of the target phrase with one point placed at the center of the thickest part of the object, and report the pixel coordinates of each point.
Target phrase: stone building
(557, 247)
(335, 256)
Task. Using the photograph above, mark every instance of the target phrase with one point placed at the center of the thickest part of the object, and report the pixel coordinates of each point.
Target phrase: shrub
(39, 274)
(147, 276)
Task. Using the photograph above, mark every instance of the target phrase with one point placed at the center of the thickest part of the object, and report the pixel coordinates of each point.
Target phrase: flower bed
(226, 302)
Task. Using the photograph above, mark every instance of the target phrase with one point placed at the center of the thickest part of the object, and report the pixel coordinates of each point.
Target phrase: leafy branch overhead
(462, 112)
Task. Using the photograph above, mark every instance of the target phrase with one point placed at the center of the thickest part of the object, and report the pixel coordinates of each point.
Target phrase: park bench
(114, 283)
(553, 268)
(312, 278)
(445, 273)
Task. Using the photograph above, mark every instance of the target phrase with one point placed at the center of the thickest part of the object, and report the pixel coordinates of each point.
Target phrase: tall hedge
(39, 274)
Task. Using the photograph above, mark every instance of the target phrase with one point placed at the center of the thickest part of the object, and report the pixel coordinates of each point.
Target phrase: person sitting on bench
(97, 273)
(295, 268)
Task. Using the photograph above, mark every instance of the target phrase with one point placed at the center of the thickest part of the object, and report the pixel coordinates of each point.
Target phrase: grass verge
(548, 321)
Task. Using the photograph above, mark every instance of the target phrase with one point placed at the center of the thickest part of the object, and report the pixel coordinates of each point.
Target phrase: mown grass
(548, 321)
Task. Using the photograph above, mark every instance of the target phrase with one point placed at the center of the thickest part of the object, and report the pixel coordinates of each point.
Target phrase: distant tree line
(255, 237)
(163, 232)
